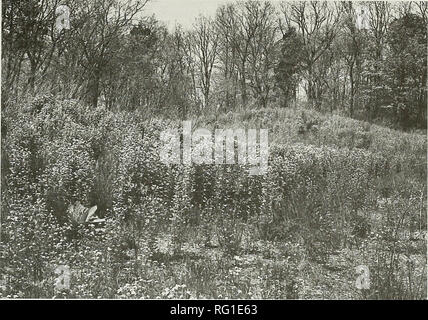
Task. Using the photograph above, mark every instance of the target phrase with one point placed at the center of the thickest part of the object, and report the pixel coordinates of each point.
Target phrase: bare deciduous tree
(204, 44)
(318, 24)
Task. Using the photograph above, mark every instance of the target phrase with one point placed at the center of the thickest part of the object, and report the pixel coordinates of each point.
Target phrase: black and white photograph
(213, 150)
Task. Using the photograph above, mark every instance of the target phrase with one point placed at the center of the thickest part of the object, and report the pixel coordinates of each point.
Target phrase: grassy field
(339, 194)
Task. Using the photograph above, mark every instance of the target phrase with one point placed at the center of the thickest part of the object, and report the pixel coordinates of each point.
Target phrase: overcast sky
(183, 12)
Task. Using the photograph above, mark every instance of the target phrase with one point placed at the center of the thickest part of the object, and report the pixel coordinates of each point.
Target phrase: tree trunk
(93, 89)
(32, 77)
(351, 78)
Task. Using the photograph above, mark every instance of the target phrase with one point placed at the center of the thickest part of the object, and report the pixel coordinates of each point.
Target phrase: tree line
(250, 54)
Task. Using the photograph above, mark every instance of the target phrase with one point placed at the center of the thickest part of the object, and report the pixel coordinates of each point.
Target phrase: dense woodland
(340, 86)
(250, 55)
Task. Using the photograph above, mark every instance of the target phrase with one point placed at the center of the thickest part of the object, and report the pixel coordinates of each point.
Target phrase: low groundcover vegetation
(337, 194)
